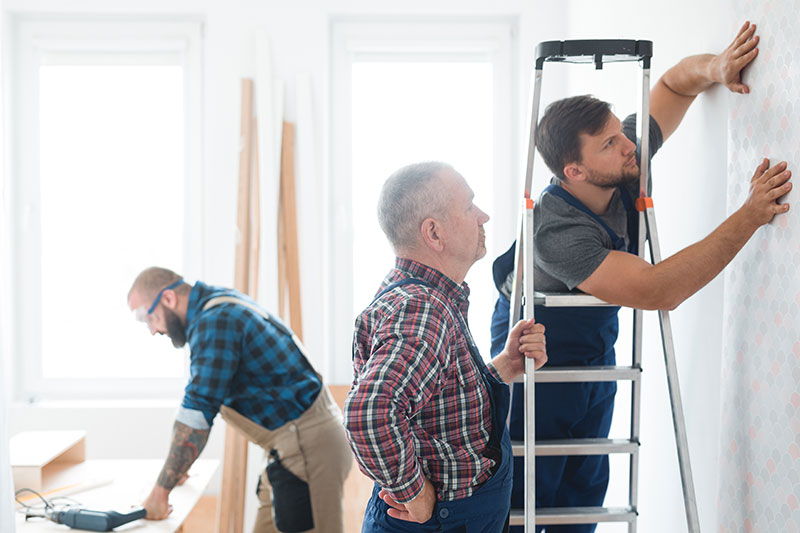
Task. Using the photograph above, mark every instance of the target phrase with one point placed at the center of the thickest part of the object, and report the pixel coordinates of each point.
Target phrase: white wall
(759, 446)
(689, 176)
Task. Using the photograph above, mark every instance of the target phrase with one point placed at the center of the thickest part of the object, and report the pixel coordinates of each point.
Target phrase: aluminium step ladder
(524, 297)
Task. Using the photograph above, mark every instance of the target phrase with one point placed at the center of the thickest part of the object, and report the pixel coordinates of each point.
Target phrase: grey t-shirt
(568, 243)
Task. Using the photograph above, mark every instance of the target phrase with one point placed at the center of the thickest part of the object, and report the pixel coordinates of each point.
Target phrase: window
(106, 182)
(408, 92)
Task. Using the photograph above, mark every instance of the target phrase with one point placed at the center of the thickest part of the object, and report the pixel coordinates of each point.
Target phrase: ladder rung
(573, 374)
(578, 447)
(575, 515)
(568, 299)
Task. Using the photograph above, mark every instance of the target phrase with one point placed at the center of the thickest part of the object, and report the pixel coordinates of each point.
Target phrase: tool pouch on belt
(291, 499)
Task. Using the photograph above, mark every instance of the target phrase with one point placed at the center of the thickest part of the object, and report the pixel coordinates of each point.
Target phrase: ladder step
(568, 299)
(574, 374)
(575, 515)
(578, 447)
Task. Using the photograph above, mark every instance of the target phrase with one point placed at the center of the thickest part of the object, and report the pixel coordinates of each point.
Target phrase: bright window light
(111, 158)
(406, 112)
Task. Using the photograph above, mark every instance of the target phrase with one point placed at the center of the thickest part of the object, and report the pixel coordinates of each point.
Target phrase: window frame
(33, 39)
(491, 39)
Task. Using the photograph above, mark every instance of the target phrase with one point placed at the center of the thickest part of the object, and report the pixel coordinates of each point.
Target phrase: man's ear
(430, 229)
(574, 171)
(170, 299)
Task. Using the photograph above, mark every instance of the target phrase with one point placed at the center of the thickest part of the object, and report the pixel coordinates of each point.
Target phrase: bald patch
(151, 280)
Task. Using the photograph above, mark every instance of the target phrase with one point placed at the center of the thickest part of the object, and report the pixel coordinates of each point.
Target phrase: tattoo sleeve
(187, 443)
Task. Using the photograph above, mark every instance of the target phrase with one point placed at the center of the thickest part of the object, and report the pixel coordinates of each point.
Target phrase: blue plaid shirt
(241, 360)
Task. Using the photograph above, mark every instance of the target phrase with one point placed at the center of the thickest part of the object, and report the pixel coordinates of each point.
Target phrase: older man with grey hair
(426, 416)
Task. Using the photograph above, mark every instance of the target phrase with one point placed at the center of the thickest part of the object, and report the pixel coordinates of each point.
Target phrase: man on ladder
(586, 238)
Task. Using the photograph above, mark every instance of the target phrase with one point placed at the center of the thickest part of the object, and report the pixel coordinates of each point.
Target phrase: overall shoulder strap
(213, 302)
(406, 281)
(258, 310)
(617, 241)
(633, 221)
(627, 201)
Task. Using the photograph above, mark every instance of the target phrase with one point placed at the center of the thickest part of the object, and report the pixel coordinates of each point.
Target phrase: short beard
(612, 181)
(175, 328)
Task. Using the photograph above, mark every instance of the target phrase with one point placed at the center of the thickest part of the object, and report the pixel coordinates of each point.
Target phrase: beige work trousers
(314, 448)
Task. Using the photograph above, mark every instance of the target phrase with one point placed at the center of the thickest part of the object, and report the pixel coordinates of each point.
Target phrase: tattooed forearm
(187, 443)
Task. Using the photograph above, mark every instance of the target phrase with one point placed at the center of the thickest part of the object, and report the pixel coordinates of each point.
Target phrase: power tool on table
(79, 518)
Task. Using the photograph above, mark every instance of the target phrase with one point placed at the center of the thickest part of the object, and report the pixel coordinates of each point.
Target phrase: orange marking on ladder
(643, 203)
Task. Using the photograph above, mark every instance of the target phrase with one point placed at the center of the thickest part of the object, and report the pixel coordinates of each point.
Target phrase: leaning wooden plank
(283, 284)
(255, 222)
(277, 126)
(241, 270)
(230, 513)
(290, 240)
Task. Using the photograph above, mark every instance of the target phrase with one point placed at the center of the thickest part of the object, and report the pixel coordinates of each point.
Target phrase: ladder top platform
(597, 51)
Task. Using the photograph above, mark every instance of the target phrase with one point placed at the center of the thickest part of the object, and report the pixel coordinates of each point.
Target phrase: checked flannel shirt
(241, 360)
(418, 407)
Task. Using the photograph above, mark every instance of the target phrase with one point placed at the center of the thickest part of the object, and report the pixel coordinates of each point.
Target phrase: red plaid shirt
(418, 407)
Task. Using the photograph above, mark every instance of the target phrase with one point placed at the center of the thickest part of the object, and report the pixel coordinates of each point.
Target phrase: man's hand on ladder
(526, 340)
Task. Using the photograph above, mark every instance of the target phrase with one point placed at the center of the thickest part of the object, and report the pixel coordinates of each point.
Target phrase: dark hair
(558, 134)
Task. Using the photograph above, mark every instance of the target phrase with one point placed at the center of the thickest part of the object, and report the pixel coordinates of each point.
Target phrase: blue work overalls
(576, 336)
(486, 511)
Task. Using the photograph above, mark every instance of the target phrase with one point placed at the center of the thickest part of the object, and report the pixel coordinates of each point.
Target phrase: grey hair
(408, 197)
(153, 279)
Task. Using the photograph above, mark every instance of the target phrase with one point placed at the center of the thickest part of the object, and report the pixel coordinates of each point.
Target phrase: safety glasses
(142, 314)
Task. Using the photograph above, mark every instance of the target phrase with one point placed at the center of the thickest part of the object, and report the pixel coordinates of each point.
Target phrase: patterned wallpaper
(759, 484)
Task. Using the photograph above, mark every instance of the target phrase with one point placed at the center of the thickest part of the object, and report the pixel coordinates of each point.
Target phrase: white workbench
(130, 482)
